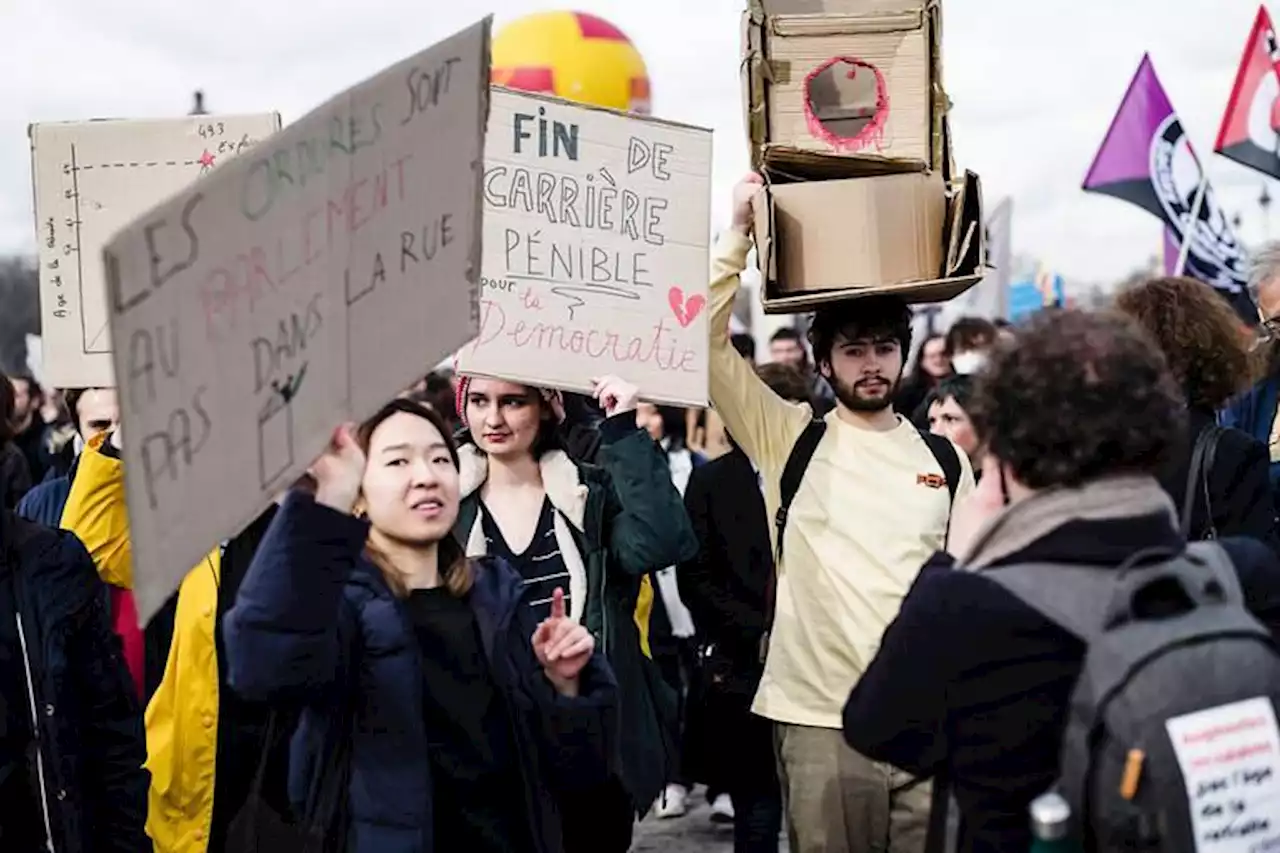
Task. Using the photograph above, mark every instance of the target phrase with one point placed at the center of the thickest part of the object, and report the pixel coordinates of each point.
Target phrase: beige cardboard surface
(894, 45)
(595, 251)
(867, 232)
(783, 40)
(302, 285)
(835, 7)
(800, 165)
(965, 199)
(91, 178)
(914, 293)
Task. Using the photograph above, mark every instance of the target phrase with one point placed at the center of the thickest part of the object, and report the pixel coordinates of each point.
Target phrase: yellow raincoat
(182, 716)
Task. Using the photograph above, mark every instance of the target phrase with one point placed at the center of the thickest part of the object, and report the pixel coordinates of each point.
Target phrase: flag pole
(1192, 218)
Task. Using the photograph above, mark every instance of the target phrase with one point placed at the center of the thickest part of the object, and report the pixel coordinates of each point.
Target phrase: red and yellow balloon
(574, 56)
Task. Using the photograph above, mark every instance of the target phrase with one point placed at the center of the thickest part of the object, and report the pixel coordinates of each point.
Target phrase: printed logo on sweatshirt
(933, 481)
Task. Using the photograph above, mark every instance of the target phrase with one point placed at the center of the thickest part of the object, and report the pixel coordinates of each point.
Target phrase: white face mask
(968, 363)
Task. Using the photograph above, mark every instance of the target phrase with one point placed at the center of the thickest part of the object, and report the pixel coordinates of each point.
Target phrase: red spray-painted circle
(873, 133)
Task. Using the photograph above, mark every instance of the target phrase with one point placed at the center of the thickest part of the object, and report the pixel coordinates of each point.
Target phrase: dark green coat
(626, 520)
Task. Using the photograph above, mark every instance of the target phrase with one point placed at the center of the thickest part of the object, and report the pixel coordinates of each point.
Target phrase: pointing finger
(572, 645)
(557, 604)
(566, 640)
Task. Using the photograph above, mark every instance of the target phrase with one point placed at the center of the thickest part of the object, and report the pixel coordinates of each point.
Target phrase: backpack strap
(792, 475)
(1216, 559)
(945, 452)
(1203, 456)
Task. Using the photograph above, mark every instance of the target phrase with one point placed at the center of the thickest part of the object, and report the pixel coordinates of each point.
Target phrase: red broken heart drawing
(685, 309)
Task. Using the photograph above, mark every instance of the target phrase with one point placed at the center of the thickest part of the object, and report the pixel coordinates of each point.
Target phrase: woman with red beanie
(598, 530)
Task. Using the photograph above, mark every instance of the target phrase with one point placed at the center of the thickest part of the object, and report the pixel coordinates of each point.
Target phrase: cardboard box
(798, 58)
(909, 234)
(864, 232)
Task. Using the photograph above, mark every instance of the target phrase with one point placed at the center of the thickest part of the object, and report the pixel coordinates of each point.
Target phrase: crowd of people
(496, 617)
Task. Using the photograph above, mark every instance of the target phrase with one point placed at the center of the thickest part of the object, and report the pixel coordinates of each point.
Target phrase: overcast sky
(1035, 85)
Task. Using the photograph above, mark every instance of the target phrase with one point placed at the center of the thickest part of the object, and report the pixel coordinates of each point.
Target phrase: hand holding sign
(744, 195)
(615, 396)
(339, 470)
(563, 647)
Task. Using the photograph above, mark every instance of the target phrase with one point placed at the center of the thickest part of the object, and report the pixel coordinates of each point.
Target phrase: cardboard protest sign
(302, 285)
(92, 178)
(595, 250)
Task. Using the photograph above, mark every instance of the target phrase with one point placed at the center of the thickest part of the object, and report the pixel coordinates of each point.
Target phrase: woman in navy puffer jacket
(465, 723)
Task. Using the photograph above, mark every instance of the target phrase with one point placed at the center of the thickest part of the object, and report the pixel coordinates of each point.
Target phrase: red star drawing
(206, 159)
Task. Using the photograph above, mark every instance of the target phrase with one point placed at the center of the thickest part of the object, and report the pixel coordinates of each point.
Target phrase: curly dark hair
(1199, 333)
(1079, 396)
(869, 316)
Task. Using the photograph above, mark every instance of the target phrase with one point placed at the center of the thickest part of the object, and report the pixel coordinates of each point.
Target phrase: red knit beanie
(553, 398)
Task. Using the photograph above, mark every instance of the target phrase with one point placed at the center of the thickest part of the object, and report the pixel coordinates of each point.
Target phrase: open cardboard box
(909, 234)
(801, 92)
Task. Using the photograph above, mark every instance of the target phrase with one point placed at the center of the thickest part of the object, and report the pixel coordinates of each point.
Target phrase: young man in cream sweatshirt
(871, 508)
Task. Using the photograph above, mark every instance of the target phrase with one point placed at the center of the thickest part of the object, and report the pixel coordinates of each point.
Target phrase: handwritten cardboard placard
(302, 285)
(595, 251)
(92, 178)
(1230, 760)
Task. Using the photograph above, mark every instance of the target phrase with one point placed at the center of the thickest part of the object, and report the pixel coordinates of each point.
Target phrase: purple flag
(1171, 249)
(1146, 159)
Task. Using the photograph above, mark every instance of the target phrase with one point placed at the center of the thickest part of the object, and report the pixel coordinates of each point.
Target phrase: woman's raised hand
(563, 647)
(339, 470)
(615, 396)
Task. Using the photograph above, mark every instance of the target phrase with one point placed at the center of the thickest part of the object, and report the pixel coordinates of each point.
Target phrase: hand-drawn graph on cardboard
(91, 179)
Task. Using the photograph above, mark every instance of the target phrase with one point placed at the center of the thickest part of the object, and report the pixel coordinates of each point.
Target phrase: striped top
(541, 564)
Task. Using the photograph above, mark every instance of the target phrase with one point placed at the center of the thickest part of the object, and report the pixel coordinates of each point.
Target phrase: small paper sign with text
(1230, 760)
(302, 285)
(596, 237)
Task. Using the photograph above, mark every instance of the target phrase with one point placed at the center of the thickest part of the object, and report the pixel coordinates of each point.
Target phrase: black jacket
(91, 731)
(15, 475)
(972, 685)
(725, 585)
(31, 442)
(1239, 484)
(725, 588)
(911, 396)
(317, 623)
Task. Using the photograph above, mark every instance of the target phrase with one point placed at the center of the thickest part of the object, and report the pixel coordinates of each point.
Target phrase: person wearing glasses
(1256, 410)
